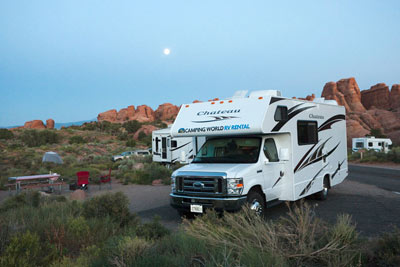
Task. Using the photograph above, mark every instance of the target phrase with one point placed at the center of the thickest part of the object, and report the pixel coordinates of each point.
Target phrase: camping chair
(106, 179)
(83, 180)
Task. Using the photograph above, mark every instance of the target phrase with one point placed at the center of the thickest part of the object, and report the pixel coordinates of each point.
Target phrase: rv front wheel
(323, 194)
(256, 203)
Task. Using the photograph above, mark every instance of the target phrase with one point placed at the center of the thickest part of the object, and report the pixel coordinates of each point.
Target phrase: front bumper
(227, 203)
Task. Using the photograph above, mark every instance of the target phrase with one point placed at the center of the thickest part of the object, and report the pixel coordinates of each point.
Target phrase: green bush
(23, 199)
(27, 250)
(152, 230)
(116, 206)
(127, 250)
(132, 126)
(77, 139)
(386, 250)
(6, 134)
(130, 143)
(35, 138)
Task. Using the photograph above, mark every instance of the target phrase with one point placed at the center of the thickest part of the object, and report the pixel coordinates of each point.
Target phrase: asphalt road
(370, 195)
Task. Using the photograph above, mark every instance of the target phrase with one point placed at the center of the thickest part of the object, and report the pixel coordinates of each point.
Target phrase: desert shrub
(127, 251)
(354, 156)
(6, 134)
(394, 155)
(132, 126)
(23, 199)
(376, 132)
(386, 250)
(299, 237)
(116, 206)
(77, 139)
(130, 143)
(35, 138)
(123, 136)
(27, 250)
(152, 230)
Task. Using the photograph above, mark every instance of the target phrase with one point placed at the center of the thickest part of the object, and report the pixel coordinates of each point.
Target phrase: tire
(256, 202)
(323, 194)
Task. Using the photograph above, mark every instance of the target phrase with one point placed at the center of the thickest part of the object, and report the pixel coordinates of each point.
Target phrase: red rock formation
(147, 129)
(35, 124)
(394, 96)
(126, 114)
(376, 108)
(110, 115)
(166, 111)
(308, 98)
(50, 124)
(377, 96)
(144, 114)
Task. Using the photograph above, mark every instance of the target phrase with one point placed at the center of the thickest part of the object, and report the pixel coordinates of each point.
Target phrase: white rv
(260, 149)
(372, 143)
(169, 150)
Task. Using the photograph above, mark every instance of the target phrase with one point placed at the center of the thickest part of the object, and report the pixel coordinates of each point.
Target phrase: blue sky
(70, 60)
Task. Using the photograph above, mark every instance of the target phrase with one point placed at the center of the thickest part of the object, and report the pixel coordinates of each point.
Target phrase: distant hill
(57, 125)
(67, 124)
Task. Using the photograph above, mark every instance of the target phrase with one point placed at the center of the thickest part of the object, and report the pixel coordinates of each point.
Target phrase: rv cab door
(272, 169)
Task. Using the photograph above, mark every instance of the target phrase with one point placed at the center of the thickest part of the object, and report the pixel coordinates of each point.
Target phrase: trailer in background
(169, 150)
(372, 143)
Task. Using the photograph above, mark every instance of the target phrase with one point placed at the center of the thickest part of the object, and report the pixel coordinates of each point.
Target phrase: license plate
(196, 208)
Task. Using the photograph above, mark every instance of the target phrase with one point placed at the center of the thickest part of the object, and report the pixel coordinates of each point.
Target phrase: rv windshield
(229, 150)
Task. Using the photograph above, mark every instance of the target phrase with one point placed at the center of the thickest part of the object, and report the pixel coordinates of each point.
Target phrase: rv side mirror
(266, 161)
(183, 156)
(284, 154)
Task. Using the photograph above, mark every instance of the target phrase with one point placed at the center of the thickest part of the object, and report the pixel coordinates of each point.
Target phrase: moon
(166, 51)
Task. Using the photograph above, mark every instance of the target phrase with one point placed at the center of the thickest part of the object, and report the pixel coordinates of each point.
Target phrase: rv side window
(359, 145)
(281, 113)
(307, 132)
(370, 144)
(270, 150)
(173, 143)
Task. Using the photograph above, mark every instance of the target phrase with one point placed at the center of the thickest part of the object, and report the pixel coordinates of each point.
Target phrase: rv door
(164, 148)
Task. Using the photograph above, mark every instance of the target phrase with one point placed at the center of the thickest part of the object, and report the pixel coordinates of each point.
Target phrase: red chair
(106, 179)
(83, 180)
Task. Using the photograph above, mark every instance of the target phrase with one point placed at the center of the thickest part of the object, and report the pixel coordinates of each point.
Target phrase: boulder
(35, 124)
(50, 124)
(394, 96)
(110, 115)
(377, 96)
(166, 111)
(147, 129)
(126, 114)
(144, 114)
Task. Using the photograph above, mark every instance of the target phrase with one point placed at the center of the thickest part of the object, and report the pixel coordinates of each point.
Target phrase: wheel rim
(325, 191)
(257, 207)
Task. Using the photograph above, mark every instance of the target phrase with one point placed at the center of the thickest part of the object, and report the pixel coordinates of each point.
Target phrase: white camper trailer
(169, 150)
(372, 143)
(262, 149)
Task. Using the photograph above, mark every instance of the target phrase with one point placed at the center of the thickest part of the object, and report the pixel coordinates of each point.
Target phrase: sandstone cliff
(377, 107)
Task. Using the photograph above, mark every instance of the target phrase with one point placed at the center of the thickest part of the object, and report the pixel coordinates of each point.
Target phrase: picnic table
(35, 181)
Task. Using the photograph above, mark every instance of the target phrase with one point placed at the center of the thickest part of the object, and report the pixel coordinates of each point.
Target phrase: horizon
(71, 61)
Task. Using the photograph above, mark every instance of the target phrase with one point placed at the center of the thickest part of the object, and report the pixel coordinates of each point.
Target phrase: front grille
(203, 185)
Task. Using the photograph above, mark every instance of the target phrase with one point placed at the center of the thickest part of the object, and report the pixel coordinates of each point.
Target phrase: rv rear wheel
(256, 203)
(323, 194)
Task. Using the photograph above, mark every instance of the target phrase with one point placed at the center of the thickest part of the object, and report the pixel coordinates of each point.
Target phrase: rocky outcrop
(50, 124)
(375, 108)
(377, 96)
(166, 111)
(146, 129)
(394, 96)
(35, 124)
(142, 113)
(110, 115)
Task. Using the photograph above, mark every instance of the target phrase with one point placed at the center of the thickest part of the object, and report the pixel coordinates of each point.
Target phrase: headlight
(173, 183)
(234, 186)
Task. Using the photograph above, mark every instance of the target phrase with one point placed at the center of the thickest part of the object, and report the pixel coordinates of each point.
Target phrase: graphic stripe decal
(338, 168)
(328, 123)
(314, 158)
(280, 124)
(180, 146)
(217, 118)
(275, 99)
(309, 185)
(304, 157)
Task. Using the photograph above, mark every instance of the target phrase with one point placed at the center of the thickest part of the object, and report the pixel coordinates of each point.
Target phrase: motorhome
(371, 143)
(169, 150)
(262, 149)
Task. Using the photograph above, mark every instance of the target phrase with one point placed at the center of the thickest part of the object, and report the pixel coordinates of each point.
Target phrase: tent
(52, 157)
